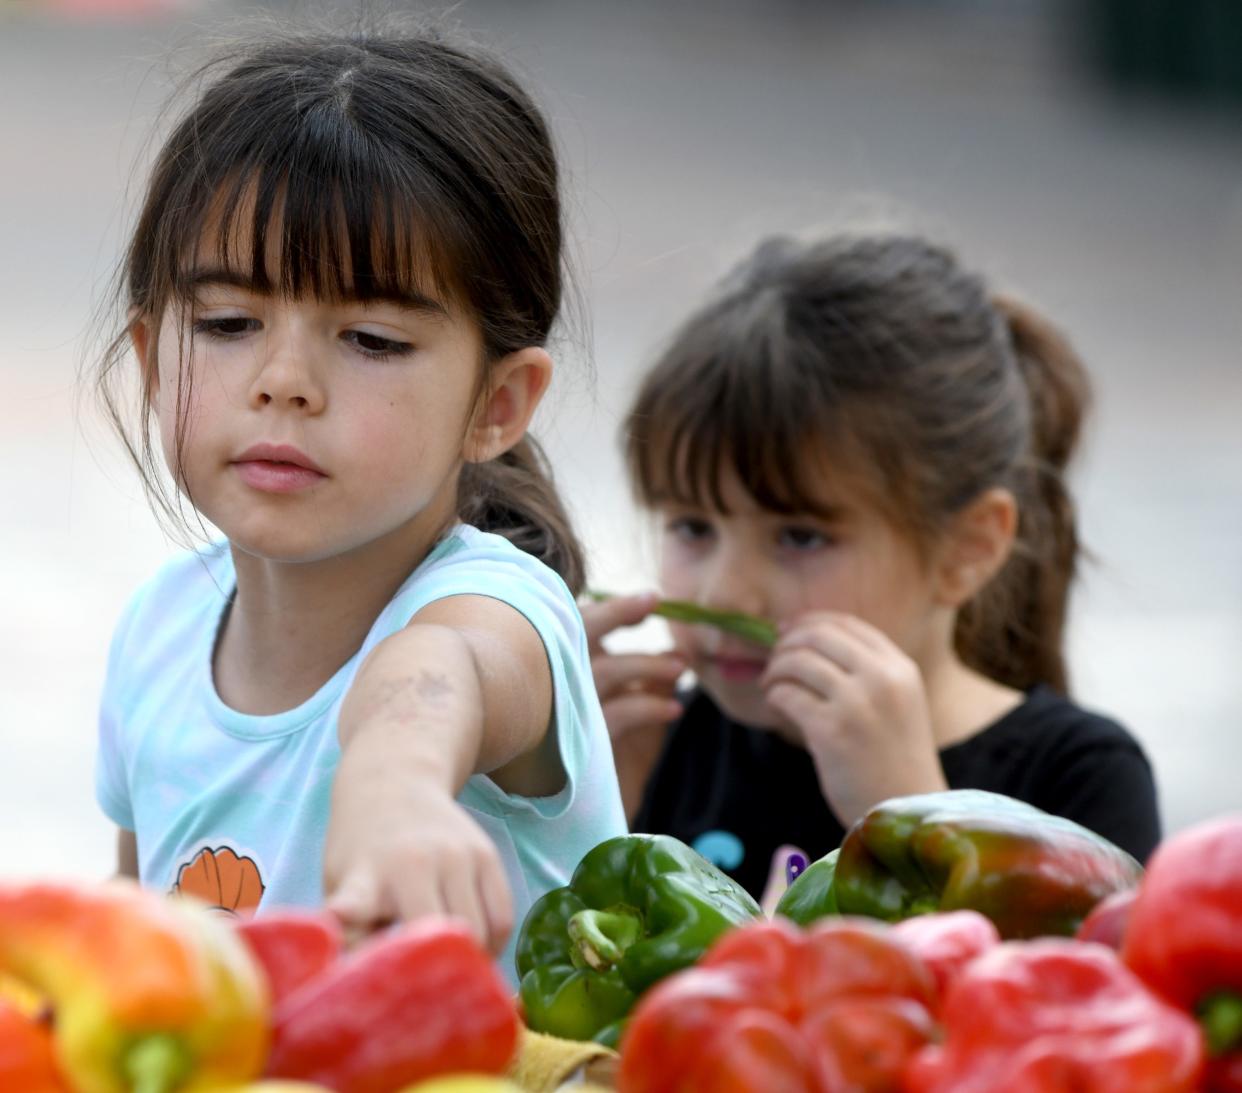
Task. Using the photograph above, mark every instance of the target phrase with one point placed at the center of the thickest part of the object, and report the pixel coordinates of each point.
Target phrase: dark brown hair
(882, 351)
(383, 159)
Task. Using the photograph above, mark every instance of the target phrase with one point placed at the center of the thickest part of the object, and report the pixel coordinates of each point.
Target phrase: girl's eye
(375, 346)
(802, 538)
(689, 529)
(228, 326)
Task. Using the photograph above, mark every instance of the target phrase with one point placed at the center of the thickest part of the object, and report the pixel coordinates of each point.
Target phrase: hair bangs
(736, 410)
(312, 211)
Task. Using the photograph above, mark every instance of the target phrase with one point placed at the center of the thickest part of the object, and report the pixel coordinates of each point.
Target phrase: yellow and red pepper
(149, 994)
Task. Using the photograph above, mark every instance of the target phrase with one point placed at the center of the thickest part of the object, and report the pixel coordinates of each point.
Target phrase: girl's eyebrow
(405, 300)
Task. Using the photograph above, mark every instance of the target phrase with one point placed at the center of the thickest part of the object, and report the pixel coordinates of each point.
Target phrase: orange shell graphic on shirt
(221, 879)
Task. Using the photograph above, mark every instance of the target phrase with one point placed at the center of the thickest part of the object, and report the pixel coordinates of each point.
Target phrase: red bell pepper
(841, 1005)
(1053, 1015)
(292, 946)
(420, 1000)
(946, 941)
(1184, 937)
(27, 1055)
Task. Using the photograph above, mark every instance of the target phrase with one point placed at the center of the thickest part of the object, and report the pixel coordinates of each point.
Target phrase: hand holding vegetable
(635, 691)
(858, 703)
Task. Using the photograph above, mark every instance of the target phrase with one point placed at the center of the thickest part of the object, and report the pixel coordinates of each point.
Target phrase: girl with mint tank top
(374, 691)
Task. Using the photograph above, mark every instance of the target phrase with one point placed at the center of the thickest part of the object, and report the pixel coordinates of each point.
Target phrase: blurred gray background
(1086, 153)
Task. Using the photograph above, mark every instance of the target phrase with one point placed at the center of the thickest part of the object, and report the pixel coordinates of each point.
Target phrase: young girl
(376, 689)
(855, 440)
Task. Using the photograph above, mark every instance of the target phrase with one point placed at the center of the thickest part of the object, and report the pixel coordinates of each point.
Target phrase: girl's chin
(748, 707)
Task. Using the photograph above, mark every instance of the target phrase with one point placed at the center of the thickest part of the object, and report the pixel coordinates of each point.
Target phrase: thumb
(356, 903)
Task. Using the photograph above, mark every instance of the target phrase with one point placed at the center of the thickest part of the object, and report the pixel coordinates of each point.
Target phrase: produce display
(956, 943)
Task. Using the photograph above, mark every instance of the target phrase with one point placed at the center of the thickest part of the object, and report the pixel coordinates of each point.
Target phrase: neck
(960, 700)
(292, 625)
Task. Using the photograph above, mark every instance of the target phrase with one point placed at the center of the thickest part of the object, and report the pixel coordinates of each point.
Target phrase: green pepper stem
(752, 629)
(1220, 1015)
(600, 938)
(157, 1063)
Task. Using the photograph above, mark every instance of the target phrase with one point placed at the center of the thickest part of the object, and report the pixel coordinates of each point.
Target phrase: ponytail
(1014, 630)
(514, 496)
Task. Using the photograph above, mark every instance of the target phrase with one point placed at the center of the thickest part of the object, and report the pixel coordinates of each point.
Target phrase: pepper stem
(600, 938)
(1220, 1014)
(156, 1064)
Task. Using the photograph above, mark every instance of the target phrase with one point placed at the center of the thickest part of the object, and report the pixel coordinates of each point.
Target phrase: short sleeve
(111, 781)
(489, 566)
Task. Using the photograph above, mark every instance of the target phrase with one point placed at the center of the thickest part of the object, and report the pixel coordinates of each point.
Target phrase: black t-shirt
(736, 794)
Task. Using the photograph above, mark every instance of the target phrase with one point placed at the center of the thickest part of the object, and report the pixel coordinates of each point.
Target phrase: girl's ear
(515, 387)
(143, 341)
(979, 541)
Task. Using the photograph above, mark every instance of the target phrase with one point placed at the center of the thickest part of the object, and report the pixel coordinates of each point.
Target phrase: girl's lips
(738, 669)
(271, 476)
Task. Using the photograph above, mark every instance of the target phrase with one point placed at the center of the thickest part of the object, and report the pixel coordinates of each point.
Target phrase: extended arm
(465, 688)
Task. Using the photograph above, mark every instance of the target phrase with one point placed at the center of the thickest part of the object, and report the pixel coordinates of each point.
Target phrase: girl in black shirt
(858, 441)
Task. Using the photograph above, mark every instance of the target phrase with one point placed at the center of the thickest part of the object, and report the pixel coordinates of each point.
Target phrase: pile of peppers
(113, 989)
(958, 943)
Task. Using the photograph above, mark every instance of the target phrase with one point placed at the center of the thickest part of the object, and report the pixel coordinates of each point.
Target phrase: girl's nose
(286, 376)
(734, 582)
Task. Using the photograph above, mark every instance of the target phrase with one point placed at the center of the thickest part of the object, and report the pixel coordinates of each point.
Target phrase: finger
(497, 903)
(418, 891)
(864, 632)
(358, 905)
(625, 713)
(604, 616)
(829, 638)
(809, 668)
(460, 893)
(778, 879)
(801, 706)
(623, 671)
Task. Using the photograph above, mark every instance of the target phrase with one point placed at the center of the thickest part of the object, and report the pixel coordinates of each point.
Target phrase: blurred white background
(689, 130)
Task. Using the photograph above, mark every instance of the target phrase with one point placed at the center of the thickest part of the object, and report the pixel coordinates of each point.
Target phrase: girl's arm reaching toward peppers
(860, 705)
(464, 688)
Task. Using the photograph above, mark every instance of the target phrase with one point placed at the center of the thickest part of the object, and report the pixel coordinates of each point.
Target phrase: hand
(777, 883)
(859, 703)
(635, 691)
(399, 854)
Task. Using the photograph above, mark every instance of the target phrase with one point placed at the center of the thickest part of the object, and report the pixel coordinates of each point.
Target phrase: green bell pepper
(638, 908)
(1031, 873)
(811, 895)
